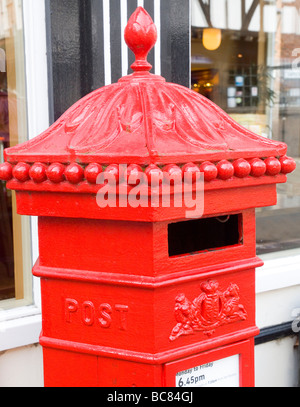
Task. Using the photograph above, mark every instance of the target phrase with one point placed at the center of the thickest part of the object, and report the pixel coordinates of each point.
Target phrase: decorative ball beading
(154, 175)
(6, 172)
(242, 168)
(134, 174)
(210, 171)
(92, 171)
(288, 164)
(273, 166)
(113, 171)
(225, 169)
(173, 174)
(38, 173)
(191, 173)
(21, 172)
(258, 167)
(74, 173)
(55, 173)
(149, 174)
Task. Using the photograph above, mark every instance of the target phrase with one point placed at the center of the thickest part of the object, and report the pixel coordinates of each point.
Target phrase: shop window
(14, 230)
(246, 58)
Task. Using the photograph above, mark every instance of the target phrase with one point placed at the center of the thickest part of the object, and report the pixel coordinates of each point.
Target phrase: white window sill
(20, 327)
(278, 288)
(280, 270)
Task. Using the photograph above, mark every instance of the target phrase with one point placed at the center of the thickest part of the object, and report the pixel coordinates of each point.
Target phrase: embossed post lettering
(122, 310)
(88, 313)
(71, 306)
(105, 312)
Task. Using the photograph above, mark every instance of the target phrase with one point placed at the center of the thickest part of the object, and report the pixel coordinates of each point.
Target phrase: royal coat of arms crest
(211, 309)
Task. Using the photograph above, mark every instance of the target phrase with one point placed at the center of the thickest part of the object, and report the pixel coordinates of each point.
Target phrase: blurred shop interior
(14, 239)
(246, 59)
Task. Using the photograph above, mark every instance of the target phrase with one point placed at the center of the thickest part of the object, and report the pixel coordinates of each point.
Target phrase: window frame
(21, 326)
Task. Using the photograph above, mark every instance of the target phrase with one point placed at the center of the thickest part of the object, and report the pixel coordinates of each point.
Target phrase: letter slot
(204, 234)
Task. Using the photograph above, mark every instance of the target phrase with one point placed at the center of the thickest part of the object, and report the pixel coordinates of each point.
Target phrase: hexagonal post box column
(146, 194)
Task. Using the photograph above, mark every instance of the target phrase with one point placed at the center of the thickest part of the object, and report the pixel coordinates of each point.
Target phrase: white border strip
(190, 42)
(35, 44)
(124, 47)
(106, 41)
(36, 69)
(157, 49)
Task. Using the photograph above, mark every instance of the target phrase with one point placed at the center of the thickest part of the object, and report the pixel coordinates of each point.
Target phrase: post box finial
(140, 36)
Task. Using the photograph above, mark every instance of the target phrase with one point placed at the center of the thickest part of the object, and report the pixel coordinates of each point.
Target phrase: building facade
(241, 54)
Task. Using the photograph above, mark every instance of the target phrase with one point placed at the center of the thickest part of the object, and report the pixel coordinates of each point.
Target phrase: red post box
(146, 194)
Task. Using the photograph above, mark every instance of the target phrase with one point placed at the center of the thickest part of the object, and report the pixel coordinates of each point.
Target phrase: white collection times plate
(220, 373)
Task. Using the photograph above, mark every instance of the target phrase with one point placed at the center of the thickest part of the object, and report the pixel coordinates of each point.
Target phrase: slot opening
(204, 234)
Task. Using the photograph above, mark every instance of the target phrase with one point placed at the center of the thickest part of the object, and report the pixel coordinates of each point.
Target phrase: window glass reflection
(14, 238)
(246, 58)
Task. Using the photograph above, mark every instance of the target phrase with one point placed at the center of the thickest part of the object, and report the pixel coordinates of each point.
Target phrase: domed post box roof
(147, 123)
